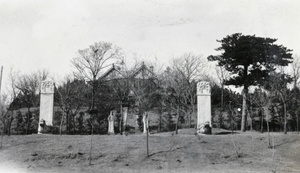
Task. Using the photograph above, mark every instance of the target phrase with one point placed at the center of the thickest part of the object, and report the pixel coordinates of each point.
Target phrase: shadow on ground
(225, 133)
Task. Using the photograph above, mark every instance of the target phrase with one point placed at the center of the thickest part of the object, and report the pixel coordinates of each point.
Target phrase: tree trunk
(93, 92)
(297, 114)
(296, 103)
(73, 124)
(251, 115)
(297, 123)
(9, 124)
(4, 125)
(285, 118)
(67, 122)
(230, 116)
(262, 121)
(251, 119)
(194, 111)
(2, 134)
(28, 121)
(245, 94)
(177, 118)
(244, 111)
(284, 113)
(190, 119)
(121, 120)
(269, 138)
(8, 128)
(61, 123)
(222, 96)
(91, 146)
(160, 115)
(169, 120)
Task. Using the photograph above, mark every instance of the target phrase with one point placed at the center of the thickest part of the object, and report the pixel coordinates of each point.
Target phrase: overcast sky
(46, 34)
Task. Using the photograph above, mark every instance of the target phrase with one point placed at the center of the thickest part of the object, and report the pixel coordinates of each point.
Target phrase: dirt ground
(185, 152)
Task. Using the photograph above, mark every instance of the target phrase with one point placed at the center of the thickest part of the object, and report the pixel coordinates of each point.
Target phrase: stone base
(204, 129)
(40, 130)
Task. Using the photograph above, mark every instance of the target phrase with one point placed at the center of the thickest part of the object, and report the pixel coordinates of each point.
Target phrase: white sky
(46, 34)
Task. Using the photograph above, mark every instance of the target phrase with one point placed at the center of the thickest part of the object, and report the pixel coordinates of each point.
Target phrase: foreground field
(185, 152)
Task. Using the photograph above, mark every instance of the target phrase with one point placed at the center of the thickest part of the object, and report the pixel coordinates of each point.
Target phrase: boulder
(204, 129)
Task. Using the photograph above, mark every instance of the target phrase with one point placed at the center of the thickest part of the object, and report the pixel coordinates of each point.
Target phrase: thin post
(121, 119)
(262, 121)
(1, 80)
(1, 106)
(177, 118)
(298, 123)
(91, 148)
(231, 124)
(147, 142)
(147, 131)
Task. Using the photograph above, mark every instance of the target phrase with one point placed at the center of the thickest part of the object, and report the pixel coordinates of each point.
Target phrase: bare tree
(29, 86)
(278, 83)
(158, 96)
(13, 102)
(296, 71)
(296, 76)
(2, 120)
(263, 99)
(143, 85)
(117, 83)
(6, 113)
(70, 97)
(183, 75)
(223, 75)
(91, 61)
(190, 67)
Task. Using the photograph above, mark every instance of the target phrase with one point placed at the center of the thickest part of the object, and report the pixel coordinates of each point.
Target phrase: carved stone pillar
(46, 105)
(204, 108)
(111, 123)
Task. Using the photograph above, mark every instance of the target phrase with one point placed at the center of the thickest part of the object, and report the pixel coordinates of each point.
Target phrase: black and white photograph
(149, 86)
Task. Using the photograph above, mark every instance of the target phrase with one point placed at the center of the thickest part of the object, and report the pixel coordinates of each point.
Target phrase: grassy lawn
(185, 152)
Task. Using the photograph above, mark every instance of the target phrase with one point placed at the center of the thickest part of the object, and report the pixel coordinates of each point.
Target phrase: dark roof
(110, 71)
(141, 69)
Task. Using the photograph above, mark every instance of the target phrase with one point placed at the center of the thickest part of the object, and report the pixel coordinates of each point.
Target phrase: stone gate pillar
(111, 123)
(46, 105)
(145, 122)
(203, 108)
